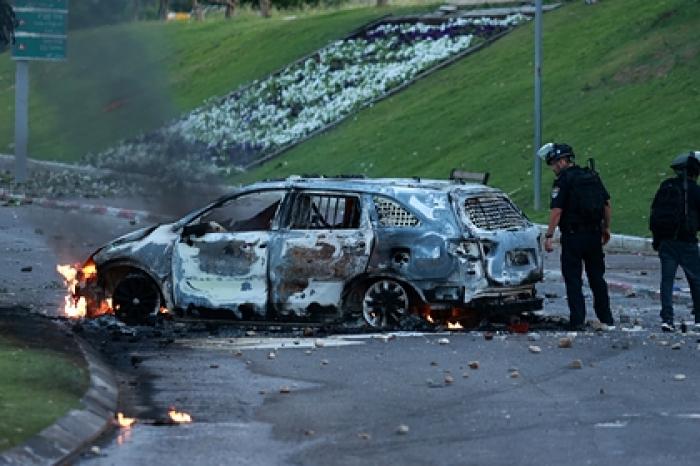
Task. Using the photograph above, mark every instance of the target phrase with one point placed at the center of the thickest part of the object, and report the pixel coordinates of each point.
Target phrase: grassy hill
(121, 80)
(620, 84)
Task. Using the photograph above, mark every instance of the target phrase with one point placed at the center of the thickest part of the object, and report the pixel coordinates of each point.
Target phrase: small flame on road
(454, 326)
(76, 306)
(125, 422)
(179, 417)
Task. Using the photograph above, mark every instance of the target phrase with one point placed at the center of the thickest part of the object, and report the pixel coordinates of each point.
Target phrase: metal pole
(21, 119)
(537, 172)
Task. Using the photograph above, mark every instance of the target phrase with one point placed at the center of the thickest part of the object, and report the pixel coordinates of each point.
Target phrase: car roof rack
(462, 176)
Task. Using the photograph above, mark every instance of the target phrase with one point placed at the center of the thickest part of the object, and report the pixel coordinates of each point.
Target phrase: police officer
(674, 223)
(580, 207)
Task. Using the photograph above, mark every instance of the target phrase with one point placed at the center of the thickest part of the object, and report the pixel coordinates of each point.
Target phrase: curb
(61, 442)
(127, 214)
(618, 243)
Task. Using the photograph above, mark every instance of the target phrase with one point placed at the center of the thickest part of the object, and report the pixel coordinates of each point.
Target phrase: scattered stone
(364, 435)
(514, 375)
(473, 364)
(262, 392)
(250, 333)
(565, 342)
(576, 364)
(488, 336)
(663, 343)
(308, 352)
(309, 432)
(319, 343)
(443, 341)
(272, 355)
(95, 450)
(324, 362)
(676, 346)
(26, 269)
(214, 366)
(285, 389)
(449, 379)
(534, 349)
(403, 429)
(602, 391)
(551, 295)
(238, 353)
(433, 363)
(679, 377)
(466, 374)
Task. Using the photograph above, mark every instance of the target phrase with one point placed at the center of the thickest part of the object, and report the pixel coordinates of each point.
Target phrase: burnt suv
(328, 249)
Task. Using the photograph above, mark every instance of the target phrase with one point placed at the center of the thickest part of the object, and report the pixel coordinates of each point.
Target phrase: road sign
(38, 47)
(42, 22)
(41, 33)
(47, 4)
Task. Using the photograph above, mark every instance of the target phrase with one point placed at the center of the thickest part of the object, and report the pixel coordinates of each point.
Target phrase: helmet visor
(545, 151)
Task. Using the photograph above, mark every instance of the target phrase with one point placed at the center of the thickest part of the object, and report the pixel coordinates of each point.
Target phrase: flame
(454, 326)
(75, 306)
(179, 417)
(429, 318)
(164, 310)
(125, 422)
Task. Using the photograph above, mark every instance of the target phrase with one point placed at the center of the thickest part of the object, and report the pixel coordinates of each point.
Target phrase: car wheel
(135, 298)
(384, 303)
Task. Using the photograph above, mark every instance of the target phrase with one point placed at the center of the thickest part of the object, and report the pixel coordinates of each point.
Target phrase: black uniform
(581, 236)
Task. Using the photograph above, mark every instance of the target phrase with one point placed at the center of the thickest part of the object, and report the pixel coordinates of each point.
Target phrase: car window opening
(317, 212)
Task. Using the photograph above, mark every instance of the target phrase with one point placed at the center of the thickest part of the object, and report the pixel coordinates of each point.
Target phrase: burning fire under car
(373, 251)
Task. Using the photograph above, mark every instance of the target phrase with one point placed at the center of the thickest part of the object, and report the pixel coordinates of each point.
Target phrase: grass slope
(121, 80)
(37, 387)
(620, 84)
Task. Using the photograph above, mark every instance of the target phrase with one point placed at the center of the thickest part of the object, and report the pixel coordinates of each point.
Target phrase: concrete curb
(619, 243)
(127, 214)
(61, 442)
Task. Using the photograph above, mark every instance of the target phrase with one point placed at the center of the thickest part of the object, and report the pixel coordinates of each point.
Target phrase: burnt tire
(136, 299)
(385, 303)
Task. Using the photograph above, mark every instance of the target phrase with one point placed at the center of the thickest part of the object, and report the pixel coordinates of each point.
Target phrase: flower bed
(312, 94)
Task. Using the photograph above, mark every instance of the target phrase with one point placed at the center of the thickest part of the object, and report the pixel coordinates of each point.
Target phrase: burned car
(328, 249)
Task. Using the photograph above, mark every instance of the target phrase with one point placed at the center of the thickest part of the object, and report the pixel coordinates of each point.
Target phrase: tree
(8, 23)
(163, 8)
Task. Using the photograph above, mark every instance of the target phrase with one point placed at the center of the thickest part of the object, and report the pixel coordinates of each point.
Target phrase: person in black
(580, 207)
(674, 219)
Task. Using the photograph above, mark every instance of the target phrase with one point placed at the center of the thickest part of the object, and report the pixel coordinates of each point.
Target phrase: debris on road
(272, 355)
(403, 429)
(364, 435)
(285, 389)
(676, 346)
(576, 364)
(534, 349)
(449, 379)
(565, 342)
(679, 377)
(473, 364)
(443, 341)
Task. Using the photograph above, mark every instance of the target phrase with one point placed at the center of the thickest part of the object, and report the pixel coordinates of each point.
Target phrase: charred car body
(329, 249)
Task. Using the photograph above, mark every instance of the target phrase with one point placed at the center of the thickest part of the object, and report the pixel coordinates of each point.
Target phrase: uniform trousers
(579, 249)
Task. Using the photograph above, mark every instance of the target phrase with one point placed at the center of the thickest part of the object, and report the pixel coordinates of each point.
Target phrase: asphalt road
(322, 401)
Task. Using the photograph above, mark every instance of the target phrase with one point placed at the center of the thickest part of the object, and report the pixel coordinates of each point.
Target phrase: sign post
(40, 35)
(537, 172)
